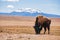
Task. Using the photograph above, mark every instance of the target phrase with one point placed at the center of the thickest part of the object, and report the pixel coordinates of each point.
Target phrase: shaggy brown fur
(42, 22)
(42, 19)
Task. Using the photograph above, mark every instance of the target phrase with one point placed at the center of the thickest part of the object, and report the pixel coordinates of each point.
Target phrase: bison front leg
(44, 30)
(40, 28)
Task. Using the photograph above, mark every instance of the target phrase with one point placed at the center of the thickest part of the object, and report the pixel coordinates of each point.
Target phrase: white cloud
(11, 0)
(10, 6)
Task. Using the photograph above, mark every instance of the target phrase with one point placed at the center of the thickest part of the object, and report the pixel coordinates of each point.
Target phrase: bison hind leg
(48, 29)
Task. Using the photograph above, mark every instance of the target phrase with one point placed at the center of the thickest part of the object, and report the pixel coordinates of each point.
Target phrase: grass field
(21, 28)
(55, 30)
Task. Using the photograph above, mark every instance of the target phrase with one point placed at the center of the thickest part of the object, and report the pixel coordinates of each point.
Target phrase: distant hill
(29, 12)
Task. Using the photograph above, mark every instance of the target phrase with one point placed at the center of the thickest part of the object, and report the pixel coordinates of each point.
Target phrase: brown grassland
(21, 28)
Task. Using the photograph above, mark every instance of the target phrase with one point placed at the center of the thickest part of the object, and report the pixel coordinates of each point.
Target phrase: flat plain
(21, 28)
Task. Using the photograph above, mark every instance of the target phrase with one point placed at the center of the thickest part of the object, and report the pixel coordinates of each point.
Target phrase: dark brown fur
(43, 23)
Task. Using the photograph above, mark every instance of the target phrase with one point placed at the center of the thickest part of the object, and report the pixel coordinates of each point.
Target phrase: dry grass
(21, 28)
(55, 30)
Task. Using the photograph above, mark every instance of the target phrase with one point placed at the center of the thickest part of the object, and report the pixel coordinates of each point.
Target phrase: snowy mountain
(29, 12)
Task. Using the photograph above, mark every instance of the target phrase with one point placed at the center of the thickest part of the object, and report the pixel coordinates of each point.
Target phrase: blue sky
(47, 6)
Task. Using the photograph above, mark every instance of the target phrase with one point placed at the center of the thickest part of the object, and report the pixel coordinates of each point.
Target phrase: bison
(42, 22)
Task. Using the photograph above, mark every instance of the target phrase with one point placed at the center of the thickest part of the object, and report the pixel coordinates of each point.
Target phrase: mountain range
(30, 12)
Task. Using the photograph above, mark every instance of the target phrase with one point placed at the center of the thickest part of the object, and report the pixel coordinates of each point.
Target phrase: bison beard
(44, 24)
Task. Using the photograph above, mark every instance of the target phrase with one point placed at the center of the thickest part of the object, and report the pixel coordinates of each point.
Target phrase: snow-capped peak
(28, 10)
